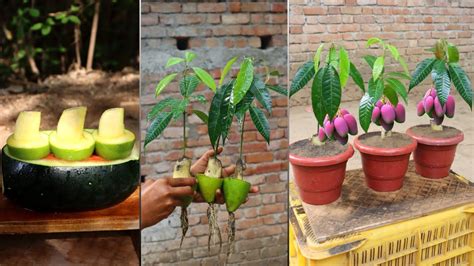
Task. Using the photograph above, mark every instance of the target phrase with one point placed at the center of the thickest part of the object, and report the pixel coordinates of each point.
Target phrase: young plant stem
(242, 137)
(384, 134)
(436, 127)
(184, 134)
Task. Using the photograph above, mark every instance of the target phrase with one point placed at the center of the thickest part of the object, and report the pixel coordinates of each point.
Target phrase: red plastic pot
(434, 156)
(384, 168)
(319, 180)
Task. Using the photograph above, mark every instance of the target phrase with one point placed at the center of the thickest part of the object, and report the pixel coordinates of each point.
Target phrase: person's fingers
(228, 171)
(254, 189)
(181, 182)
(182, 191)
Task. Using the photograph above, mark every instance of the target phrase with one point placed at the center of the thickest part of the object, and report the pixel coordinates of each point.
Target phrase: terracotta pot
(319, 180)
(384, 168)
(434, 156)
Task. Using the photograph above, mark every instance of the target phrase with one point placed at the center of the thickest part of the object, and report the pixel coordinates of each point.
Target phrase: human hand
(160, 197)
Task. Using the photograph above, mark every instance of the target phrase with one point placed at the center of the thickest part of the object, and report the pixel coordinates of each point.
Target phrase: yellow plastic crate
(441, 239)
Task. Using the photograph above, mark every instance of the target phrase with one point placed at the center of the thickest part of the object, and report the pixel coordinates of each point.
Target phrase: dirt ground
(303, 125)
(97, 90)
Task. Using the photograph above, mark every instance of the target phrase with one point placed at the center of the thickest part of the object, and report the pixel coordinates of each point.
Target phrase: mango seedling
(444, 68)
(172, 108)
(334, 123)
(380, 103)
(244, 91)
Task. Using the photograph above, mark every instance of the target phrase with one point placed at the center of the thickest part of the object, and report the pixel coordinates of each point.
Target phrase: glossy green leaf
(317, 56)
(344, 66)
(201, 115)
(174, 61)
(303, 75)
(333, 57)
(178, 109)
(227, 110)
(422, 70)
(214, 123)
(453, 54)
(378, 67)
(461, 82)
(331, 91)
(226, 69)
(205, 77)
(260, 122)
(261, 94)
(244, 106)
(160, 106)
(442, 82)
(199, 98)
(391, 95)
(189, 56)
(398, 87)
(164, 82)
(278, 89)
(366, 107)
(243, 81)
(159, 124)
(370, 59)
(188, 85)
(375, 89)
(394, 51)
(372, 41)
(398, 75)
(357, 77)
(317, 97)
(404, 65)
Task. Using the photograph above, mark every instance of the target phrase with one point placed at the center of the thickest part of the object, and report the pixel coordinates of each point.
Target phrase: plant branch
(242, 137)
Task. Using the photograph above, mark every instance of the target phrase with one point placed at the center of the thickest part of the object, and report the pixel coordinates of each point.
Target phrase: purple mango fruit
(341, 126)
(400, 113)
(387, 113)
(438, 120)
(379, 104)
(329, 129)
(427, 93)
(375, 114)
(351, 124)
(428, 104)
(433, 93)
(438, 108)
(321, 134)
(342, 140)
(344, 112)
(420, 110)
(386, 126)
(450, 105)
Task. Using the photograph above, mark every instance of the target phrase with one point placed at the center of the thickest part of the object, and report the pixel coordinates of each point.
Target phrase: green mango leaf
(261, 94)
(404, 65)
(244, 81)
(317, 56)
(205, 77)
(370, 59)
(357, 77)
(391, 95)
(164, 82)
(201, 115)
(399, 88)
(394, 51)
(453, 54)
(174, 61)
(461, 82)
(188, 85)
(226, 69)
(260, 122)
(157, 126)
(378, 67)
(160, 106)
(244, 106)
(442, 82)
(189, 56)
(317, 97)
(376, 89)
(214, 123)
(303, 75)
(333, 57)
(399, 75)
(366, 106)
(422, 70)
(227, 110)
(331, 91)
(178, 109)
(278, 89)
(372, 41)
(344, 66)
(199, 98)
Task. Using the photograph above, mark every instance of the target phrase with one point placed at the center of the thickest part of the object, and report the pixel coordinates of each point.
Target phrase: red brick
(211, 7)
(259, 157)
(235, 18)
(234, 7)
(165, 7)
(255, 7)
(314, 10)
(278, 7)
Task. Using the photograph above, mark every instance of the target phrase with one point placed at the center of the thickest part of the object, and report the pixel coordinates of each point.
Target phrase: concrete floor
(303, 125)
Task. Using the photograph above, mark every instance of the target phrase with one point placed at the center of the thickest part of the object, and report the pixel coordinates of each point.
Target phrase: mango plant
(334, 123)
(380, 103)
(172, 108)
(444, 68)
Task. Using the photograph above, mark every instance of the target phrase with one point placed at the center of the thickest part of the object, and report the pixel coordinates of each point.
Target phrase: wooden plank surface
(16, 220)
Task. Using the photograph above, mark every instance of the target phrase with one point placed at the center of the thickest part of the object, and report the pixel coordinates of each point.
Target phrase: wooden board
(16, 220)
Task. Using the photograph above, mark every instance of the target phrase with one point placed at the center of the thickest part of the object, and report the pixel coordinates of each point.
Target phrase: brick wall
(217, 32)
(411, 25)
